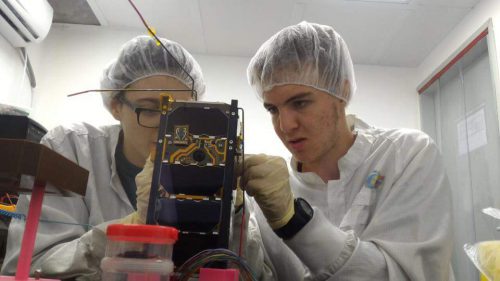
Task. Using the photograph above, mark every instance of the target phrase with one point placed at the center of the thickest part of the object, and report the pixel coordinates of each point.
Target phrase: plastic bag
(7, 109)
(494, 212)
(486, 257)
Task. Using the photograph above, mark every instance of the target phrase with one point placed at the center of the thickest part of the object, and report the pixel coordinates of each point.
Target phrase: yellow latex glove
(143, 182)
(238, 201)
(489, 259)
(266, 179)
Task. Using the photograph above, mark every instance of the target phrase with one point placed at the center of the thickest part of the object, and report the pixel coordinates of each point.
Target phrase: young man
(381, 203)
(114, 155)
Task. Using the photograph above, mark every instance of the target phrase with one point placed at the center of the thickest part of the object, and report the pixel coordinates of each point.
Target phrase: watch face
(304, 205)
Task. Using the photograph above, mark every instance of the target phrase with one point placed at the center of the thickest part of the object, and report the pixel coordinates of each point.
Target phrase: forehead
(283, 93)
(158, 82)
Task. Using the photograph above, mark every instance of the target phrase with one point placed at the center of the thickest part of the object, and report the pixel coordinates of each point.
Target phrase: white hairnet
(141, 57)
(304, 54)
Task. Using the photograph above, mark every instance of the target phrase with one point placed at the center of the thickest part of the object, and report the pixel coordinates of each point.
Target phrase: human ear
(116, 108)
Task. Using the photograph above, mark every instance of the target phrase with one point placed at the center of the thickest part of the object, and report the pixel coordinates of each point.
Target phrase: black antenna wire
(163, 46)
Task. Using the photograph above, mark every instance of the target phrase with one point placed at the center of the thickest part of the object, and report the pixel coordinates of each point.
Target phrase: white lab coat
(67, 251)
(62, 251)
(398, 231)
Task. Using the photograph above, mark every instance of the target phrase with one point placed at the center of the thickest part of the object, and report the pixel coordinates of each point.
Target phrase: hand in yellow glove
(143, 182)
(266, 179)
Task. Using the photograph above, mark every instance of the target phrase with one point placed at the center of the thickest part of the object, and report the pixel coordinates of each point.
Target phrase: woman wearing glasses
(114, 155)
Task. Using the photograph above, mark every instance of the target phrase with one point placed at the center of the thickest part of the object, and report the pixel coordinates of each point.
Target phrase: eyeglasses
(146, 117)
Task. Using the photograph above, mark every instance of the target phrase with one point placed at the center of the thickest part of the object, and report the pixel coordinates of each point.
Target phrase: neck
(133, 156)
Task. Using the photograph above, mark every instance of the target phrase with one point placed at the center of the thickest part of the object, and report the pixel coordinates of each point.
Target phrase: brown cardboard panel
(22, 157)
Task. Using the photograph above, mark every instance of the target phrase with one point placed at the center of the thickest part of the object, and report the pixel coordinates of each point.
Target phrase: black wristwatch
(303, 214)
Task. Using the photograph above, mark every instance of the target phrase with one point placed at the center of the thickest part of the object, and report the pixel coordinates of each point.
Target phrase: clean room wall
(386, 96)
(69, 60)
(72, 57)
(473, 22)
(15, 86)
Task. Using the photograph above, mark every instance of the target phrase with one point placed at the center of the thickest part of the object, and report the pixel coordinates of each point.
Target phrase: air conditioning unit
(25, 21)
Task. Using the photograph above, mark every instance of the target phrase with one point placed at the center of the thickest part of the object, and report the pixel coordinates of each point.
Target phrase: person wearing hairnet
(360, 203)
(114, 155)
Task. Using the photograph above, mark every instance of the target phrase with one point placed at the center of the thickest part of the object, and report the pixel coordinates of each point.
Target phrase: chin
(299, 157)
(305, 158)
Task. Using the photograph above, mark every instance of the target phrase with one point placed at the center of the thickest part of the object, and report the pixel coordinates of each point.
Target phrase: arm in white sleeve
(320, 245)
(78, 258)
(334, 253)
(68, 250)
(408, 235)
(61, 250)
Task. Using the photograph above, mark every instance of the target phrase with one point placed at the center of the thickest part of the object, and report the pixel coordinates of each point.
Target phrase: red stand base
(217, 274)
(13, 278)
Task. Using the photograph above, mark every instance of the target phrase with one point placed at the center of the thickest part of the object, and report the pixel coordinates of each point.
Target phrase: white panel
(419, 33)
(377, 33)
(239, 27)
(15, 89)
(447, 3)
(177, 20)
(366, 28)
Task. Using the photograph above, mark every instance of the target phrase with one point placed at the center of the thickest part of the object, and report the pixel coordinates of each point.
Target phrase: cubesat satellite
(194, 173)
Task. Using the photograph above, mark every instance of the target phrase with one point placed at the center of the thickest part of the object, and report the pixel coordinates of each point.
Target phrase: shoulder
(400, 137)
(403, 137)
(405, 144)
(79, 130)
(75, 140)
(395, 138)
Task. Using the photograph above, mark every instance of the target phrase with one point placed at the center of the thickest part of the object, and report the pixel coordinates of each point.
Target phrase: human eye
(149, 112)
(300, 104)
(271, 109)
(149, 104)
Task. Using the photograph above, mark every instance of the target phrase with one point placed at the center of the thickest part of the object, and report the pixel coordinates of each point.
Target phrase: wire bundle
(197, 261)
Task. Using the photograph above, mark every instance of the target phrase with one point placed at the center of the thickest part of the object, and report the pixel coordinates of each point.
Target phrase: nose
(287, 121)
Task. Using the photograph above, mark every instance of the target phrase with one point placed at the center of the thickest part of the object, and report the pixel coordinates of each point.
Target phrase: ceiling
(377, 33)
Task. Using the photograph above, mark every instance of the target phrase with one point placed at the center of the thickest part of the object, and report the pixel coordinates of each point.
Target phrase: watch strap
(299, 219)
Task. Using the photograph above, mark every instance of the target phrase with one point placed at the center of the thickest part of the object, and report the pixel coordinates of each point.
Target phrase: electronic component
(20, 127)
(194, 176)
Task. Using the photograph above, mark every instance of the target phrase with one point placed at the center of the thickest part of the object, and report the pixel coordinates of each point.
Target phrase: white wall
(226, 80)
(386, 96)
(460, 35)
(15, 87)
(72, 58)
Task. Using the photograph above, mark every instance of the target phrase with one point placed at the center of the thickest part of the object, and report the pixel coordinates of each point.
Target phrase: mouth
(297, 143)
